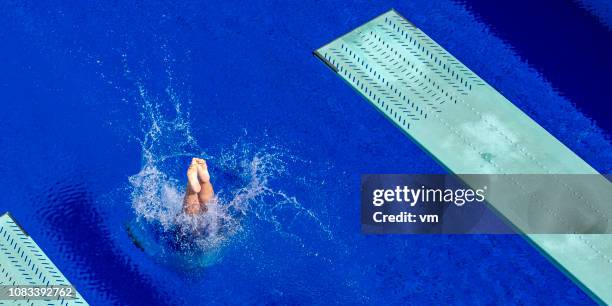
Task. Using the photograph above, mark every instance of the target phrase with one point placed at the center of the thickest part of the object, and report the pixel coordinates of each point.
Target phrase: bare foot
(192, 176)
(203, 174)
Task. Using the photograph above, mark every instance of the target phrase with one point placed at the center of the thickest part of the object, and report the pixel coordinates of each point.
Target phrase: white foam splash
(157, 194)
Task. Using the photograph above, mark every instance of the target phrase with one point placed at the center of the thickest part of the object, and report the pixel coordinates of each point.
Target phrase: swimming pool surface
(102, 105)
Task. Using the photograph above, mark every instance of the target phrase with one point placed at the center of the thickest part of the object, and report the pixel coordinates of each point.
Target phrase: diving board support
(468, 127)
(23, 263)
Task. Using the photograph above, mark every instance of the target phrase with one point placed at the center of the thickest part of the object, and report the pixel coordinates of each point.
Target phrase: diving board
(23, 263)
(468, 127)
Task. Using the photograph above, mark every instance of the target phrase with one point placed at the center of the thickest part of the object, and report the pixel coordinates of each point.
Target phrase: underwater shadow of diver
(171, 248)
(72, 217)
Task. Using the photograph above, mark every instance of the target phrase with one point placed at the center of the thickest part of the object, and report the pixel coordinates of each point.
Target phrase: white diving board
(468, 127)
(23, 263)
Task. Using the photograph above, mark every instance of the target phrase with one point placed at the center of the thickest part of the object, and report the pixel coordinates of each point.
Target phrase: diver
(199, 191)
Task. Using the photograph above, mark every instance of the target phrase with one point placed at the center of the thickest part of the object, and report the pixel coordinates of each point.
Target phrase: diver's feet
(193, 184)
(203, 174)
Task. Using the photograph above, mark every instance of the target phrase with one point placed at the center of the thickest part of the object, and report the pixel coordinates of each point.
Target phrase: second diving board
(468, 127)
(24, 265)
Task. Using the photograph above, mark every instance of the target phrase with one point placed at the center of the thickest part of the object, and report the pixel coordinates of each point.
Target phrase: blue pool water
(102, 106)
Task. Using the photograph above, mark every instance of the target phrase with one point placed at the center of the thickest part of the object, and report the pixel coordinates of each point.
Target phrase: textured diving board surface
(22, 262)
(467, 126)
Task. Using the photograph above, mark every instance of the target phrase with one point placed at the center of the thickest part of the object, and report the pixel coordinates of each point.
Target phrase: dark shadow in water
(562, 41)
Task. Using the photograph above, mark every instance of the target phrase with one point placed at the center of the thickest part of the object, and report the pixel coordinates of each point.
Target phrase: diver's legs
(191, 203)
(206, 188)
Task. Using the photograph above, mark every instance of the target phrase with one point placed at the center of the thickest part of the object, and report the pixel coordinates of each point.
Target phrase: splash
(241, 175)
